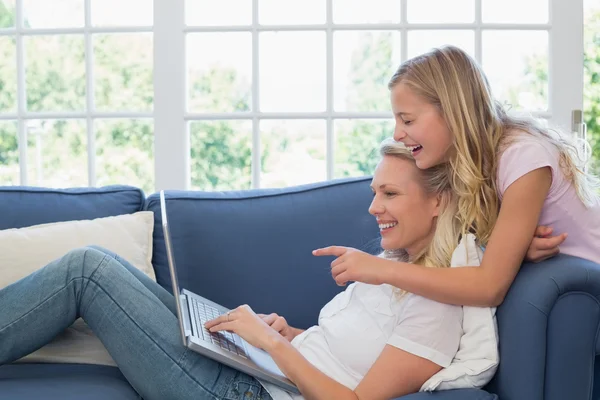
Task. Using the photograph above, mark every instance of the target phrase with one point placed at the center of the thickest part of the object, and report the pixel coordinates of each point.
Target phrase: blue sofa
(255, 247)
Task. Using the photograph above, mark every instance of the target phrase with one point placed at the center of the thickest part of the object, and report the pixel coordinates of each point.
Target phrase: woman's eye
(390, 194)
(407, 122)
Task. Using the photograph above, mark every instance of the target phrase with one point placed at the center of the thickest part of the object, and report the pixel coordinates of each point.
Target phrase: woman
(371, 341)
(509, 174)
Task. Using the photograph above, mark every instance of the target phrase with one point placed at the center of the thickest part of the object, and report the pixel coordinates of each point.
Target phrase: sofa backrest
(26, 206)
(255, 246)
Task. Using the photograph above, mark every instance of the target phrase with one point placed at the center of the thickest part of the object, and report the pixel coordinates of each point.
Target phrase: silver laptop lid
(171, 260)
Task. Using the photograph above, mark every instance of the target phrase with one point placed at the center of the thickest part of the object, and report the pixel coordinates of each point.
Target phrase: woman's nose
(375, 209)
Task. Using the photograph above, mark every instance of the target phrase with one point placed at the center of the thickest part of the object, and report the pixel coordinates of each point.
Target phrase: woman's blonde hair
(434, 181)
(450, 79)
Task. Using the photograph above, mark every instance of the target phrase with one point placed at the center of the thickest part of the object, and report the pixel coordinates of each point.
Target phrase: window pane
(8, 74)
(222, 12)
(125, 153)
(591, 79)
(57, 153)
(515, 11)
(523, 82)
(455, 11)
(280, 12)
(422, 41)
(364, 62)
(366, 12)
(123, 67)
(53, 13)
(292, 71)
(219, 68)
(221, 155)
(9, 153)
(122, 13)
(292, 152)
(7, 13)
(357, 145)
(55, 73)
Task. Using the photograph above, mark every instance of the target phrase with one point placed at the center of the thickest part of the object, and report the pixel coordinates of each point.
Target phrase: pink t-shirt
(562, 210)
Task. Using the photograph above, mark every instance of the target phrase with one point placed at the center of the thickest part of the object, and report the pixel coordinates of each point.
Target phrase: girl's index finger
(336, 251)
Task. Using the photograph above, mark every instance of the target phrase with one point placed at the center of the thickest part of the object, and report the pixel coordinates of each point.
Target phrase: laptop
(226, 347)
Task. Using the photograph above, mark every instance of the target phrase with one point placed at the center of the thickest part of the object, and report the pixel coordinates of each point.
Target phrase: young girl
(371, 341)
(509, 175)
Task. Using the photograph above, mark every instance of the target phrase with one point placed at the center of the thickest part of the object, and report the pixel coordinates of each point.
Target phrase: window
(77, 93)
(238, 94)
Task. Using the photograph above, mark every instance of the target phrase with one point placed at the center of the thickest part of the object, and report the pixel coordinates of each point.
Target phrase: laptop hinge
(186, 315)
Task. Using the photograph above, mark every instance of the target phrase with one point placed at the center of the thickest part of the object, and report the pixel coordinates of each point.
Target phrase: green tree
(537, 67)
(55, 81)
(357, 142)
(591, 86)
(8, 131)
(221, 151)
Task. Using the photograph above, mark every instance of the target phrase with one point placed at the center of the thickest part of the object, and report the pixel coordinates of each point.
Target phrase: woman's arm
(298, 369)
(312, 383)
(395, 373)
(485, 285)
(279, 324)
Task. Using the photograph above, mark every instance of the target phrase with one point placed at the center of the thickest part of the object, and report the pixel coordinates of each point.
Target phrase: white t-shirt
(356, 325)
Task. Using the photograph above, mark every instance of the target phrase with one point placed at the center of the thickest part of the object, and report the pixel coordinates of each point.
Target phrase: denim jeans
(133, 316)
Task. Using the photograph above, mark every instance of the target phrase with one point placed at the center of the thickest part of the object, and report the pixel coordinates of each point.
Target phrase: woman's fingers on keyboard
(269, 318)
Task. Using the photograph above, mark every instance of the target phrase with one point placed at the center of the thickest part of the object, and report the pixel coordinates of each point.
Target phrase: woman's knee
(83, 261)
(101, 249)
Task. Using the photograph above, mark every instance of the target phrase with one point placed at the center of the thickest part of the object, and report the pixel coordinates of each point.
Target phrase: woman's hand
(280, 325)
(244, 322)
(355, 265)
(542, 246)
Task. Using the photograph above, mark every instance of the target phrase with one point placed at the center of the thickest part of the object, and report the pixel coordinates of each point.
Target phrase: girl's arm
(487, 284)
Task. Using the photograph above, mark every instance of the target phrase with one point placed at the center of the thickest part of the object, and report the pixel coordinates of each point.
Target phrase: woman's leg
(165, 297)
(138, 330)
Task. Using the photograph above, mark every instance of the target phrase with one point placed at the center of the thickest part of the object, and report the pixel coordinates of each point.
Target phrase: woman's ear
(438, 202)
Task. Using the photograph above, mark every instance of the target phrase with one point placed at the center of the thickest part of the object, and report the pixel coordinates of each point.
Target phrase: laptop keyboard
(225, 340)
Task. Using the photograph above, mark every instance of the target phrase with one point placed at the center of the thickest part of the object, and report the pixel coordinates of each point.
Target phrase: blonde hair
(450, 79)
(434, 181)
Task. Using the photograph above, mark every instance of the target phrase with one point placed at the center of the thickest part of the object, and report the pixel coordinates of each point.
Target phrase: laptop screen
(171, 260)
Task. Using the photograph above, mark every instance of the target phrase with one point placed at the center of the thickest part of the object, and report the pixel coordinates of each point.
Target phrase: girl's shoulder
(521, 152)
(520, 144)
(519, 138)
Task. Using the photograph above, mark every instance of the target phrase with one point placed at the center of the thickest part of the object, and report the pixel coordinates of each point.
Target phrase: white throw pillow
(476, 361)
(25, 250)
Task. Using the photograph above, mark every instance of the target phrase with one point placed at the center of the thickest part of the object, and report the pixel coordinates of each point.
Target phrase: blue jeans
(133, 316)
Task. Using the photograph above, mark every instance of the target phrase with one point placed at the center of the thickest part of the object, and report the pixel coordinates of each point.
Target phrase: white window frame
(22, 115)
(172, 151)
(171, 119)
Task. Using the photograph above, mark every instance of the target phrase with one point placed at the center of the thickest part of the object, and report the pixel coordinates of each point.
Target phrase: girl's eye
(390, 194)
(407, 122)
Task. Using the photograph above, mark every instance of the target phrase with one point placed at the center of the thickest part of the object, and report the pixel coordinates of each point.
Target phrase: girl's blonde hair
(450, 79)
(434, 181)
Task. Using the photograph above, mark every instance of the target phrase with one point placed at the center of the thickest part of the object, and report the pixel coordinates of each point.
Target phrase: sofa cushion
(128, 235)
(25, 206)
(221, 237)
(63, 382)
(458, 394)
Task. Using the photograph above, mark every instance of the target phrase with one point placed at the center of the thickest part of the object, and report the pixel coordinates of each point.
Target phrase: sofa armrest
(548, 329)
